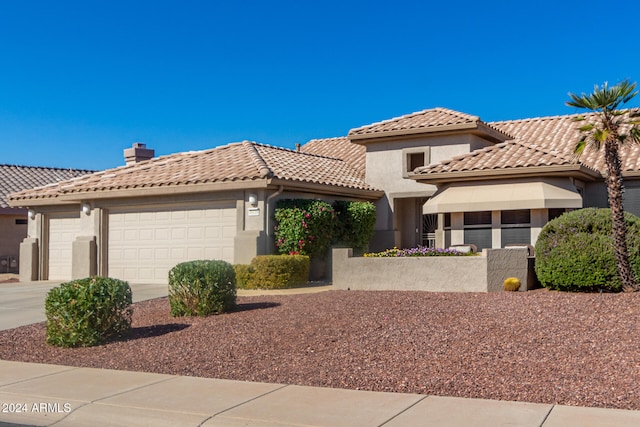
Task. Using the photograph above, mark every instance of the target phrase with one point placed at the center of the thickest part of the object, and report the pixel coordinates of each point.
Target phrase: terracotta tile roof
(425, 120)
(245, 161)
(561, 133)
(506, 155)
(341, 148)
(304, 167)
(543, 141)
(17, 178)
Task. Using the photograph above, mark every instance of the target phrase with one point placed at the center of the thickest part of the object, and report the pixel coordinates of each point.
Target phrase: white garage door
(63, 230)
(145, 244)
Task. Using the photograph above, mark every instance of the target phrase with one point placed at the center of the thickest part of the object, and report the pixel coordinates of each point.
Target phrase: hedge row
(273, 272)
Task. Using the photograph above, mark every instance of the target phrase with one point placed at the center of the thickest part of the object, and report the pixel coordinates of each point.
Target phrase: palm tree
(611, 128)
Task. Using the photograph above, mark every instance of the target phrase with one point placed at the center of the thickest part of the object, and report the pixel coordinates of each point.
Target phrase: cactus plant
(511, 284)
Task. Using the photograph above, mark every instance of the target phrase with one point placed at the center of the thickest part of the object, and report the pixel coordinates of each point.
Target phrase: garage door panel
(144, 246)
(63, 230)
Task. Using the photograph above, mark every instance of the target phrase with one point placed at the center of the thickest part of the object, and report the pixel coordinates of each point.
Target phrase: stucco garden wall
(483, 273)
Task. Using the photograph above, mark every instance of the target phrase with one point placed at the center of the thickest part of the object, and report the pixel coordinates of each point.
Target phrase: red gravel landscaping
(541, 346)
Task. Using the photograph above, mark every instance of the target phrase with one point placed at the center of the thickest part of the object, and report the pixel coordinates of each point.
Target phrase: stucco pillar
(29, 260)
(539, 217)
(457, 228)
(496, 230)
(84, 257)
(440, 239)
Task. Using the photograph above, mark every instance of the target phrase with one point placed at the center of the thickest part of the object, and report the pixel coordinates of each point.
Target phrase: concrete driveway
(23, 303)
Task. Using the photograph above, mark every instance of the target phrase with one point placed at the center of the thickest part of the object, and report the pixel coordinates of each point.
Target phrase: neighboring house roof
(341, 148)
(426, 121)
(16, 178)
(243, 162)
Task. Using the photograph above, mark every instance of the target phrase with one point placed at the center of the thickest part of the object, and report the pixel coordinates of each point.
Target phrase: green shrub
(201, 288)
(304, 227)
(355, 224)
(575, 251)
(244, 275)
(276, 272)
(88, 312)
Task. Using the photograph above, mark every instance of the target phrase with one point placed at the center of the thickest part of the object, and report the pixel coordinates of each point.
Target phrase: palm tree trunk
(619, 228)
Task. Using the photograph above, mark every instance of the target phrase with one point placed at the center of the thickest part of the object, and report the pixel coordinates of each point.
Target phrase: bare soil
(541, 346)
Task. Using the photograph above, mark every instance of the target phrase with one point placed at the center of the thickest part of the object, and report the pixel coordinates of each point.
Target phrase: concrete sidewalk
(49, 395)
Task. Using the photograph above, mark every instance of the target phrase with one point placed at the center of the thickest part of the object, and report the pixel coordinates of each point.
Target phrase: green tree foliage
(308, 227)
(355, 225)
(610, 128)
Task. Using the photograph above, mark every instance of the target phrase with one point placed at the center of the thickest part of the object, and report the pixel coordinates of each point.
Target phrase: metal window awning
(504, 196)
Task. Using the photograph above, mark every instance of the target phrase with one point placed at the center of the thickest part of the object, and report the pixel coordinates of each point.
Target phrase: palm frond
(586, 128)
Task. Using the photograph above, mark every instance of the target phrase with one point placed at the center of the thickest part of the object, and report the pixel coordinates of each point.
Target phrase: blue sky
(83, 80)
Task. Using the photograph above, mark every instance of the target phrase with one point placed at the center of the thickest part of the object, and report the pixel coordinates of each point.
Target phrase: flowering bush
(418, 251)
(305, 227)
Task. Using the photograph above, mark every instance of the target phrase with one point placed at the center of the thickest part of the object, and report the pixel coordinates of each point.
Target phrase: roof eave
(575, 170)
(75, 197)
(476, 128)
(328, 189)
(367, 137)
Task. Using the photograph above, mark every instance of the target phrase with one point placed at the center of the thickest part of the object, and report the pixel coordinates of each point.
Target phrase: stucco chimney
(138, 153)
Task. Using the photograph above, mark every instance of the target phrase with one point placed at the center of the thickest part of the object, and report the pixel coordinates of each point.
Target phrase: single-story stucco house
(13, 220)
(438, 177)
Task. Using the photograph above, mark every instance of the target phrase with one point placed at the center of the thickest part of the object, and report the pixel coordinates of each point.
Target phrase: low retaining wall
(483, 273)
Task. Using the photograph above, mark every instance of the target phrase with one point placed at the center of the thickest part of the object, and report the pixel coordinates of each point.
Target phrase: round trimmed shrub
(88, 312)
(574, 252)
(201, 288)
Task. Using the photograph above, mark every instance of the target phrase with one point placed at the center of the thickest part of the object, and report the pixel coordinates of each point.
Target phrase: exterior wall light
(32, 214)
(86, 208)
(253, 200)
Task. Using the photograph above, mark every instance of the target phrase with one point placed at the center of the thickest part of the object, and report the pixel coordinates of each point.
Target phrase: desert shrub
(88, 312)
(574, 252)
(244, 275)
(418, 251)
(355, 224)
(276, 272)
(304, 227)
(201, 288)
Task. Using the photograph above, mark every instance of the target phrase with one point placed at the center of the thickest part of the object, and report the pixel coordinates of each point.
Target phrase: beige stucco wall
(385, 159)
(254, 225)
(397, 212)
(484, 273)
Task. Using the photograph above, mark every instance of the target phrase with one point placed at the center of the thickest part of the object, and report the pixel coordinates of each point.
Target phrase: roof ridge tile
(261, 165)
